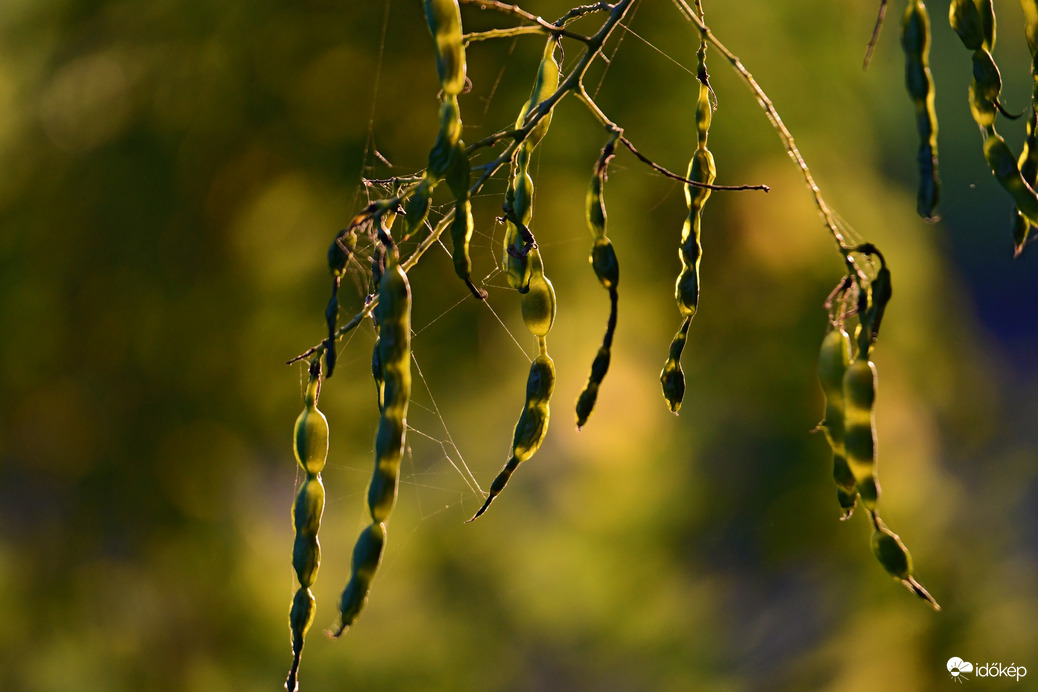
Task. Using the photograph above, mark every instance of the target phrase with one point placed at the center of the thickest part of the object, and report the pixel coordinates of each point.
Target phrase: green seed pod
(417, 207)
(896, 560)
(1003, 165)
(604, 262)
(607, 269)
(532, 426)
(461, 236)
(1028, 161)
(964, 18)
(538, 303)
(367, 554)
(587, 398)
(986, 10)
(310, 443)
(300, 618)
(672, 377)
(376, 374)
(544, 86)
(311, 438)
(915, 40)
(441, 156)
(393, 355)
(859, 399)
(514, 263)
(340, 251)
(444, 19)
(833, 359)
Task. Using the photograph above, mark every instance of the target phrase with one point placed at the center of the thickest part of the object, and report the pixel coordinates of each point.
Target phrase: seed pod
(859, 400)
(417, 207)
(896, 560)
(441, 156)
(538, 302)
(393, 359)
(833, 359)
(915, 41)
(607, 269)
(964, 18)
(367, 555)
(532, 426)
(310, 444)
(672, 377)
(546, 84)
(444, 19)
(1004, 167)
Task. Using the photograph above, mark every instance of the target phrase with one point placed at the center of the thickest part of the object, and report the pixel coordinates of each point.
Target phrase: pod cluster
(393, 357)
(607, 268)
(915, 41)
(310, 443)
(849, 379)
(701, 169)
(974, 23)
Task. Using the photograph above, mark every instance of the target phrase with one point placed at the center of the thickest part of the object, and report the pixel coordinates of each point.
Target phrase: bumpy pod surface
(393, 353)
(532, 426)
(859, 400)
(367, 555)
(964, 18)
(896, 560)
(833, 359)
(538, 302)
(444, 19)
(915, 41)
(1003, 166)
(672, 377)
(310, 444)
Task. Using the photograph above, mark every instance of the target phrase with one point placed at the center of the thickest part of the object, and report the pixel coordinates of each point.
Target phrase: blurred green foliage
(171, 174)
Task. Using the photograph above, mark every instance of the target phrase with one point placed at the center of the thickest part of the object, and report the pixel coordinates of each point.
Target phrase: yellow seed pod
(538, 302)
(311, 440)
(367, 555)
(444, 19)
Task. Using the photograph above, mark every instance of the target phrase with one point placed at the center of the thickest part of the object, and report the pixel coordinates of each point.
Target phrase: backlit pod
(444, 19)
(532, 426)
(859, 401)
(310, 444)
(339, 254)
(833, 359)
(673, 377)
(896, 560)
(394, 354)
(538, 302)
(1003, 165)
(974, 22)
(915, 41)
(519, 196)
(701, 169)
(607, 269)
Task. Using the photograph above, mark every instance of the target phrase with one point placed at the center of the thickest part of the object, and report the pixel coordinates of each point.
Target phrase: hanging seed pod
(1003, 165)
(607, 269)
(532, 426)
(833, 359)
(915, 41)
(444, 19)
(394, 357)
(896, 560)
(859, 400)
(310, 444)
(701, 169)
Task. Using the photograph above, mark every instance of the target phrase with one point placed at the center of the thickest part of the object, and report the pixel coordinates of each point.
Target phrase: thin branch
(613, 127)
(787, 138)
(545, 25)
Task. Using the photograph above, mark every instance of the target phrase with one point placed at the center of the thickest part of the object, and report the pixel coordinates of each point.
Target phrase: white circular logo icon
(958, 668)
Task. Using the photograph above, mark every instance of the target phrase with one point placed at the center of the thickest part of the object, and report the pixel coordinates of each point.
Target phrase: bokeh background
(171, 174)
